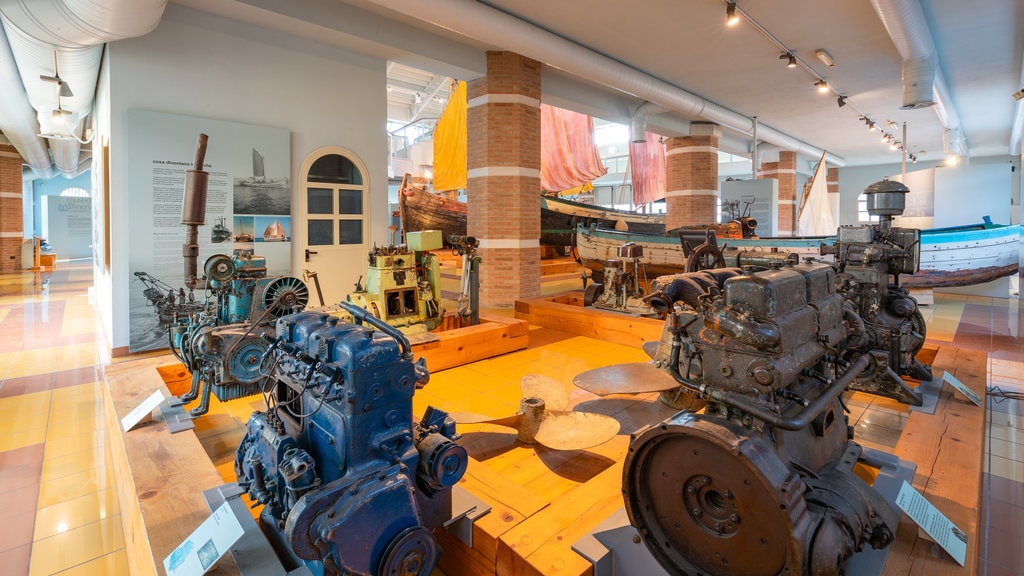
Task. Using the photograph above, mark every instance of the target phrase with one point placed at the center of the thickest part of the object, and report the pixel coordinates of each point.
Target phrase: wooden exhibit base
(457, 345)
(565, 312)
(160, 476)
(543, 501)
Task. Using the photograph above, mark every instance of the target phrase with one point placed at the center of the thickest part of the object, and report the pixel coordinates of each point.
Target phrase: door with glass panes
(334, 223)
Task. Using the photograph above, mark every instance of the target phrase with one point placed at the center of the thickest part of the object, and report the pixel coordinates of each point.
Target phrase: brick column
(785, 172)
(503, 188)
(691, 177)
(11, 226)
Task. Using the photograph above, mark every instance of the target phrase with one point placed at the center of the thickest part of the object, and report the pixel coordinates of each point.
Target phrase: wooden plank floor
(947, 448)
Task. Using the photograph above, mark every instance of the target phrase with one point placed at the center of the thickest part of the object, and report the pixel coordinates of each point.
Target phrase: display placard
(962, 388)
(206, 544)
(133, 418)
(946, 534)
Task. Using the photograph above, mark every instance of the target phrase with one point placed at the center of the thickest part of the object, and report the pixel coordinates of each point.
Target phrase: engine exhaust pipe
(193, 213)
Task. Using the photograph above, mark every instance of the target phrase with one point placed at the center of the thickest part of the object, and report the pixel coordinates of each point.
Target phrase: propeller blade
(651, 348)
(471, 418)
(575, 430)
(551, 391)
(633, 378)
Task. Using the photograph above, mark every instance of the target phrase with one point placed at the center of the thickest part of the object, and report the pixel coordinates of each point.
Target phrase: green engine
(403, 284)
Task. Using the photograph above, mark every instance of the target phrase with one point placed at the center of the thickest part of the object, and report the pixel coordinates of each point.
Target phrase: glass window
(862, 210)
(320, 201)
(321, 232)
(335, 169)
(350, 201)
(350, 231)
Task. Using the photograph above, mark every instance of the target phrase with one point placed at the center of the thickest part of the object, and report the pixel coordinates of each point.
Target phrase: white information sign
(962, 388)
(207, 543)
(946, 534)
(133, 418)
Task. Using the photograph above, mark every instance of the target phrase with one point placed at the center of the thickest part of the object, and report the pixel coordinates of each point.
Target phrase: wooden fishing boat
(421, 210)
(559, 218)
(957, 256)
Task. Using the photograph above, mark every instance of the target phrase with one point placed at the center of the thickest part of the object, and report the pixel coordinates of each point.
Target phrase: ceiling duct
(17, 118)
(638, 123)
(76, 30)
(481, 22)
(905, 22)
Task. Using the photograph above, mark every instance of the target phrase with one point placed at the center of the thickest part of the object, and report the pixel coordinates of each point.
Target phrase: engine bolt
(696, 513)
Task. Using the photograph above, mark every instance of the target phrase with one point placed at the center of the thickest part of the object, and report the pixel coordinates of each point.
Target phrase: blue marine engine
(223, 345)
(349, 483)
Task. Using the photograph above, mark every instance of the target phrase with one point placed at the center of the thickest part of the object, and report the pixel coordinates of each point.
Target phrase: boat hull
(425, 211)
(949, 257)
(421, 210)
(559, 219)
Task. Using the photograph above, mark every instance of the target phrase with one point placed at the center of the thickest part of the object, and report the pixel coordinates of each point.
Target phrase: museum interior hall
(511, 288)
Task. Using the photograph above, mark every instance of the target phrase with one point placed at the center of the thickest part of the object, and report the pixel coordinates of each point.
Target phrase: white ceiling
(686, 44)
(979, 46)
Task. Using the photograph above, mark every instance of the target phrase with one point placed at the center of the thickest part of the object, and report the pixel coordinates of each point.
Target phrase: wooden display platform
(543, 501)
(494, 336)
(947, 448)
(565, 312)
(160, 476)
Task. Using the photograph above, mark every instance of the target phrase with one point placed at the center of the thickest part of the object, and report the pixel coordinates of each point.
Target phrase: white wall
(201, 65)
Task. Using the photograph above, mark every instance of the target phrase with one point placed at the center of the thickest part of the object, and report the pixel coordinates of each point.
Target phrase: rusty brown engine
(762, 482)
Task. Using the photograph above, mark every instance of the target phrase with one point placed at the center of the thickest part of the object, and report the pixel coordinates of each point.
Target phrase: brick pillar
(785, 172)
(503, 188)
(11, 227)
(691, 167)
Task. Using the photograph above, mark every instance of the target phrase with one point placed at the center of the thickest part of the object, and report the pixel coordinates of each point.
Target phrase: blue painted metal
(349, 482)
(223, 346)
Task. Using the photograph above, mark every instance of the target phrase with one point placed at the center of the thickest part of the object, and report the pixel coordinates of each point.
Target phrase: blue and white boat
(956, 256)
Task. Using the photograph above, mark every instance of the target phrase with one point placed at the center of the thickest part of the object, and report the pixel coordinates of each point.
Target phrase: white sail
(817, 214)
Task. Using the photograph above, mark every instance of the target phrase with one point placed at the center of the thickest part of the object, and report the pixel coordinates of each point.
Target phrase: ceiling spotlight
(822, 86)
(789, 58)
(894, 145)
(58, 116)
(1019, 94)
(886, 137)
(841, 101)
(418, 99)
(63, 90)
(913, 158)
(731, 17)
(825, 57)
(952, 160)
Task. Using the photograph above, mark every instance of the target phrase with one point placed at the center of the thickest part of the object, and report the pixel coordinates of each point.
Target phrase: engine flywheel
(709, 498)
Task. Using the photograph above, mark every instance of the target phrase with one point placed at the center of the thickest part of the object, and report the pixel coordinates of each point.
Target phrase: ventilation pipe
(17, 118)
(638, 123)
(481, 22)
(905, 22)
(76, 30)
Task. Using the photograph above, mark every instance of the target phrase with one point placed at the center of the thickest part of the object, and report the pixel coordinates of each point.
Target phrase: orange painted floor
(58, 513)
